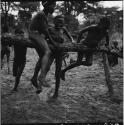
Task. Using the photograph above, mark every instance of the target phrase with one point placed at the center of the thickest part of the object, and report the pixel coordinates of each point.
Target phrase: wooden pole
(0, 46)
(66, 47)
(107, 73)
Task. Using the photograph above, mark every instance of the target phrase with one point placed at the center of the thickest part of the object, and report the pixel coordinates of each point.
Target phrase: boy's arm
(68, 34)
(83, 31)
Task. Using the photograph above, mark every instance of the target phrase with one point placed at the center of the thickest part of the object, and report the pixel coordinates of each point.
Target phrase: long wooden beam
(66, 47)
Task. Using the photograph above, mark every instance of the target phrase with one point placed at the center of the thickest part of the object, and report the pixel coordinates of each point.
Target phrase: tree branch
(65, 47)
(2, 4)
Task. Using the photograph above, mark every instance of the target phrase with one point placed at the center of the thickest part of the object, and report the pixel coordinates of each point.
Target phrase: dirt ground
(83, 97)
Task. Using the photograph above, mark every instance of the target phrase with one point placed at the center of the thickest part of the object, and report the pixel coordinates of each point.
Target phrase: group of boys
(42, 35)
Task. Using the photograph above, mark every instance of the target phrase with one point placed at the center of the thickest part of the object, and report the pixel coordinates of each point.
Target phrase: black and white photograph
(61, 62)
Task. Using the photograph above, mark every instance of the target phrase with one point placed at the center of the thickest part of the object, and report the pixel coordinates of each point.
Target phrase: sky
(105, 4)
(112, 3)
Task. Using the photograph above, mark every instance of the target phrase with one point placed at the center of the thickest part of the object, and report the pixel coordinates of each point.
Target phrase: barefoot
(63, 75)
(55, 96)
(45, 84)
(14, 90)
(39, 90)
(34, 82)
(52, 99)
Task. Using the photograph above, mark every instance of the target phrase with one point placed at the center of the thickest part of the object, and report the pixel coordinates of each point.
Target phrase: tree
(71, 9)
(26, 10)
(5, 7)
(8, 20)
(30, 6)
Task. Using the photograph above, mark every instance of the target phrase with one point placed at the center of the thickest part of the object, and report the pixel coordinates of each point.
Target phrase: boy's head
(49, 6)
(104, 22)
(59, 21)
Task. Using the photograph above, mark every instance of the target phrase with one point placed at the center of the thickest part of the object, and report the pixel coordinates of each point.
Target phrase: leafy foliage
(71, 9)
(25, 10)
(91, 10)
(10, 20)
(30, 6)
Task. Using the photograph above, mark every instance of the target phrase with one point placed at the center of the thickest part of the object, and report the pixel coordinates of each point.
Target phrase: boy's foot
(45, 84)
(63, 75)
(34, 82)
(39, 90)
(14, 90)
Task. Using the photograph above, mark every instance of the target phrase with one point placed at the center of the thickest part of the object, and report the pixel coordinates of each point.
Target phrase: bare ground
(82, 97)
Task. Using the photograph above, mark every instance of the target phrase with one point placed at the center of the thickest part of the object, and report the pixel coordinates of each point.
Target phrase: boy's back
(94, 35)
(57, 35)
(39, 23)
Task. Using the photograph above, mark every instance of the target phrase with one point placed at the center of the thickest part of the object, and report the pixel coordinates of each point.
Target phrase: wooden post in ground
(0, 46)
(107, 73)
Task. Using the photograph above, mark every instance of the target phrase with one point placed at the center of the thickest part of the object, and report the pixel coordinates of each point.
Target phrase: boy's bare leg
(38, 66)
(18, 75)
(41, 44)
(2, 57)
(45, 84)
(44, 67)
(89, 59)
(15, 67)
(8, 62)
(57, 75)
(36, 71)
(75, 64)
(45, 52)
(88, 62)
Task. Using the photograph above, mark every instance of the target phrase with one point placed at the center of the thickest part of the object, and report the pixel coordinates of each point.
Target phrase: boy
(95, 33)
(57, 34)
(37, 30)
(19, 59)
